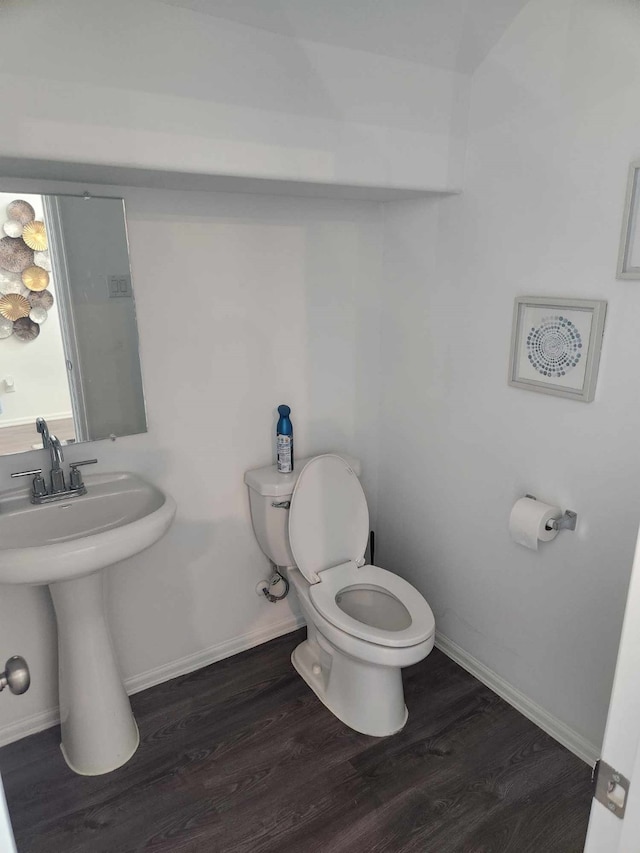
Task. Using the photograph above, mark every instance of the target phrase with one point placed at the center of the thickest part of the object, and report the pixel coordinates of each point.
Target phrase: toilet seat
(339, 579)
(328, 533)
(328, 518)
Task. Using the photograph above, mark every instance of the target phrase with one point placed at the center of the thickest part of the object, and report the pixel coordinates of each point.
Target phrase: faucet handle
(39, 485)
(75, 481)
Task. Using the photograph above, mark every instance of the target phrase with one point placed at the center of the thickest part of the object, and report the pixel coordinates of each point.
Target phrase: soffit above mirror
(122, 176)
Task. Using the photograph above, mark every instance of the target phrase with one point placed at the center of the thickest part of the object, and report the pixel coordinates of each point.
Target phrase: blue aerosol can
(284, 441)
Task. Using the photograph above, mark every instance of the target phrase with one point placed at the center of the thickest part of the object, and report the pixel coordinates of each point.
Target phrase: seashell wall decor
(13, 228)
(21, 211)
(25, 329)
(38, 315)
(24, 273)
(43, 299)
(34, 235)
(42, 259)
(15, 255)
(11, 282)
(6, 327)
(35, 278)
(13, 306)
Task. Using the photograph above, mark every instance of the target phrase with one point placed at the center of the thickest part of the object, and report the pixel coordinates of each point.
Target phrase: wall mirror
(68, 331)
(629, 253)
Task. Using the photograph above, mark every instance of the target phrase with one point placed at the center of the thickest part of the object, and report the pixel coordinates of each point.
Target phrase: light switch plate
(119, 286)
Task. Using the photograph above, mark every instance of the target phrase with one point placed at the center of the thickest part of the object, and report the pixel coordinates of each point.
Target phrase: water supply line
(275, 579)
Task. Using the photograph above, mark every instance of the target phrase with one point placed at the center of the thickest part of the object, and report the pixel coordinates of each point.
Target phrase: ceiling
(451, 34)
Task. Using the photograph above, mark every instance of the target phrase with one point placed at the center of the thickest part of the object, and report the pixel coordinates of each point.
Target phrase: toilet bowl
(364, 623)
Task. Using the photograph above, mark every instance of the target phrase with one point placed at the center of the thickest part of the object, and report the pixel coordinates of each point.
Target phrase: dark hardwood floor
(241, 757)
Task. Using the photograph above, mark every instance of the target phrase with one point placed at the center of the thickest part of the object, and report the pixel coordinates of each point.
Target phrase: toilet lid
(328, 518)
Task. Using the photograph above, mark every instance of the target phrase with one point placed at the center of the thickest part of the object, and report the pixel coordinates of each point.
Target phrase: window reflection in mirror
(68, 332)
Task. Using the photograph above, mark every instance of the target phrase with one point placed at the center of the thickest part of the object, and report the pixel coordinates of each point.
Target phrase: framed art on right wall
(555, 345)
(629, 253)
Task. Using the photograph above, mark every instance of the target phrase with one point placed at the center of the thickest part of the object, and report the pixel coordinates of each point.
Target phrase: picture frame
(555, 345)
(629, 252)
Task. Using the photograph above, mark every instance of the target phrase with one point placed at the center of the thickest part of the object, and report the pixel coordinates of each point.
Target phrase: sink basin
(66, 545)
(120, 515)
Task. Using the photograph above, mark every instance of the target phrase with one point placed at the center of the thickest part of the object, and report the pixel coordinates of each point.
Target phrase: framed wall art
(555, 345)
(629, 254)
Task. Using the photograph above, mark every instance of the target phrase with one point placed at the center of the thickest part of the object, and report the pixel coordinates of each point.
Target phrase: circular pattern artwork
(35, 278)
(38, 315)
(15, 255)
(12, 228)
(25, 329)
(34, 235)
(6, 327)
(21, 210)
(11, 282)
(13, 306)
(42, 259)
(44, 299)
(555, 347)
(24, 273)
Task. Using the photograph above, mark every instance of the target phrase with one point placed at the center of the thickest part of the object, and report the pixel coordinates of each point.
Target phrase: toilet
(364, 623)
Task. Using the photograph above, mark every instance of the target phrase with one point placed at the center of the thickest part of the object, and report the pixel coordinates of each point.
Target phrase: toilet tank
(267, 488)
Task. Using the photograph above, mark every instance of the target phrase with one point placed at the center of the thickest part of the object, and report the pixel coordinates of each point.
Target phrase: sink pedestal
(67, 545)
(99, 732)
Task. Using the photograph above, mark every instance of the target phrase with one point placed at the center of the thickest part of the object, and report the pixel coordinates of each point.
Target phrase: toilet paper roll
(528, 520)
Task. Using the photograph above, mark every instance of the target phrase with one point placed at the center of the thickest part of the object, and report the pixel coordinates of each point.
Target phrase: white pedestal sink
(66, 545)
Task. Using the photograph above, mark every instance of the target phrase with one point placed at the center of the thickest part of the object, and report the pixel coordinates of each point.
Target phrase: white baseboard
(554, 727)
(29, 725)
(223, 650)
(51, 717)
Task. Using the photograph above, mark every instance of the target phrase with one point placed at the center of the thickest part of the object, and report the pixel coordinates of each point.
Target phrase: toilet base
(366, 697)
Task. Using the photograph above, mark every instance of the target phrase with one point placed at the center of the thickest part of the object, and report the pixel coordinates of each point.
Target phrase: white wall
(146, 84)
(243, 303)
(37, 367)
(554, 125)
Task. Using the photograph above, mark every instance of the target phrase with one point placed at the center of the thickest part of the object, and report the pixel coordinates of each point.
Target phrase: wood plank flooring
(241, 757)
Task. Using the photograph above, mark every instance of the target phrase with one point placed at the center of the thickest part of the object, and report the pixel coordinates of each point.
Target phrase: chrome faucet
(57, 474)
(59, 490)
(43, 429)
(51, 443)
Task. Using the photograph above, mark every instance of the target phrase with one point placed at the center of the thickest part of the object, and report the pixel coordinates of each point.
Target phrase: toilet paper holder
(567, 521)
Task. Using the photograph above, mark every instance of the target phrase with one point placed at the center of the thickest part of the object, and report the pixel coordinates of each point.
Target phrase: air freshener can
(284, 441)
